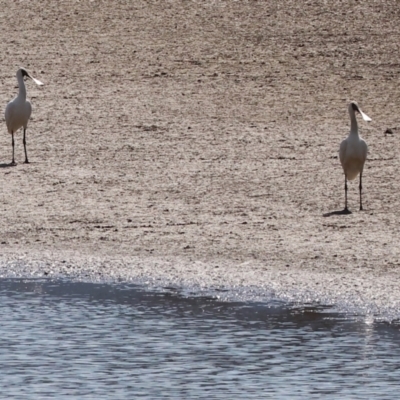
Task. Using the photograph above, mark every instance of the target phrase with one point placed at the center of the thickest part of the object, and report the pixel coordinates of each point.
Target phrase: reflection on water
(102, 341)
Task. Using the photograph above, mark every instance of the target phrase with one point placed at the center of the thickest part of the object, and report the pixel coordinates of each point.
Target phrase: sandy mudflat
(197, 141)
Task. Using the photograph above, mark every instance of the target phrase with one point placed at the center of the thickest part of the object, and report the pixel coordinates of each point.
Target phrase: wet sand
(197, 141)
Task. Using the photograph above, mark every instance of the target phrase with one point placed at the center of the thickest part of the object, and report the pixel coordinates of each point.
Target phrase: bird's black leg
(360, 187)
(346, 210)
(12, 141)
(24, 142)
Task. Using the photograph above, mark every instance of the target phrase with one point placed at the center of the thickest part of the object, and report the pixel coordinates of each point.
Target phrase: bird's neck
(22, 89)
(353, 126)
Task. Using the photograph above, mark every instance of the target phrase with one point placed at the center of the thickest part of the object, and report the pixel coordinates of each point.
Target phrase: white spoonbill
(353, 152)
(18, 110)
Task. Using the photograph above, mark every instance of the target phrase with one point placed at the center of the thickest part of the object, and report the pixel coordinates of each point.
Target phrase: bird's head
(25, 74)
(353, 108)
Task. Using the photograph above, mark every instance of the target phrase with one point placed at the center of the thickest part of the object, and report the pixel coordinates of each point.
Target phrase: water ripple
(100, 341)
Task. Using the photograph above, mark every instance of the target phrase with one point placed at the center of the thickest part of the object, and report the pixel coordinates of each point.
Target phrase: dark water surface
(100, 341)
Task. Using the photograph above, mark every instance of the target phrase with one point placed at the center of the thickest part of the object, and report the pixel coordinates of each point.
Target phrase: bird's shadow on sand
(7, 165)
(339, 212)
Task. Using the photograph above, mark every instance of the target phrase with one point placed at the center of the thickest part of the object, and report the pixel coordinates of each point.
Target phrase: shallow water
(104, 341)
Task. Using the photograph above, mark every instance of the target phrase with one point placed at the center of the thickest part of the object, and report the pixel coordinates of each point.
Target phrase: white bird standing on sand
(18, 110)
(353, 153)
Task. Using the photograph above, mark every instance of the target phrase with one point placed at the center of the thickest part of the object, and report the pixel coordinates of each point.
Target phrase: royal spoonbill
(353, 152)
(18, 110)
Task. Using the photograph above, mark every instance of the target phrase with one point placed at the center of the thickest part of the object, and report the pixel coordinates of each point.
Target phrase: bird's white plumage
(18, 111)
(353, 150)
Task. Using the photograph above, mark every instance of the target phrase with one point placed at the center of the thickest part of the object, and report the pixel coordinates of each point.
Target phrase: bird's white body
(18, 110)
(353, 151)
(352, 154)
